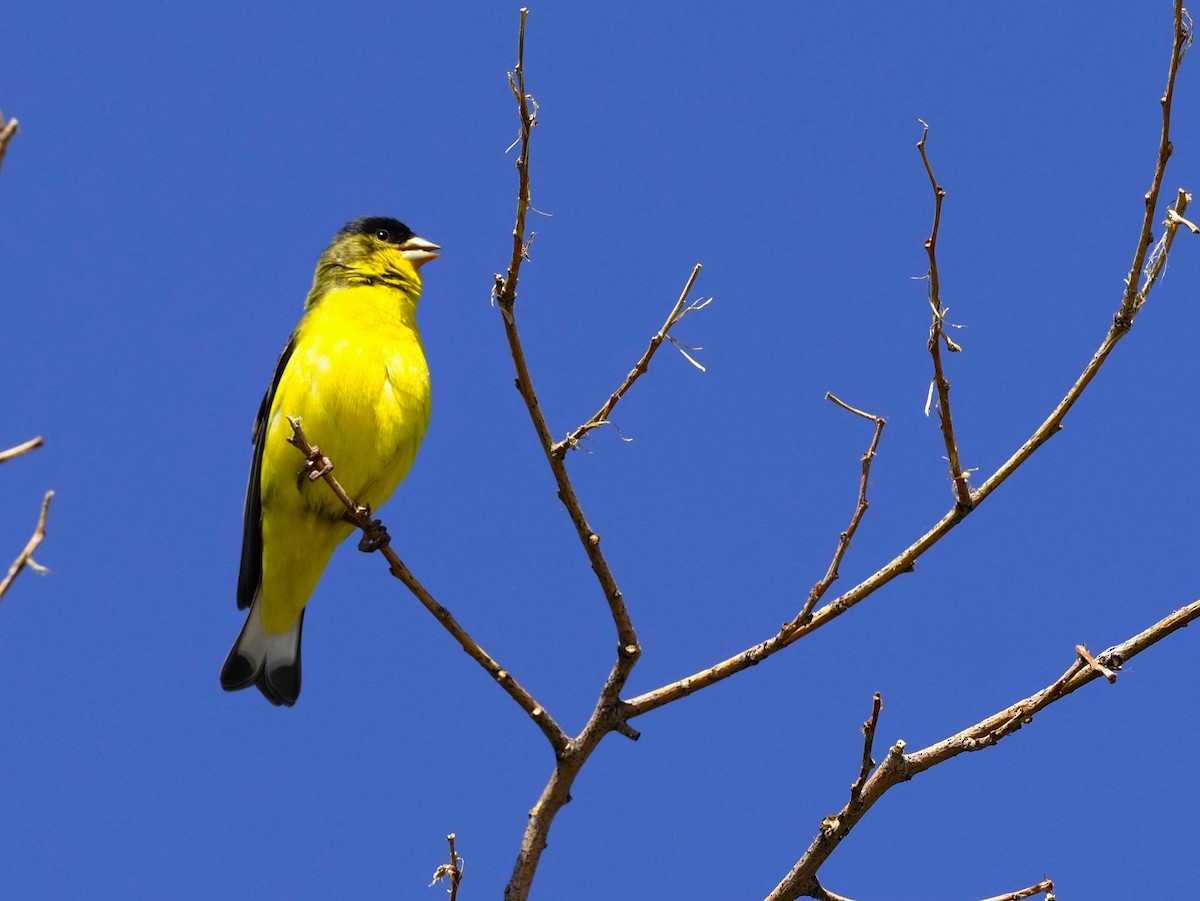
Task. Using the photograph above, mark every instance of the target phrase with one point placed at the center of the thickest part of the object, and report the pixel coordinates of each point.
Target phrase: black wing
(250, 572)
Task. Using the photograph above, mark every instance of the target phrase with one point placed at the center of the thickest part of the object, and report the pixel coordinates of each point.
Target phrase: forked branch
(607, 716)
(938, 336)
(25, 558)
(899, 767)
(1137, 290)
(860, 509)
(906, 559)
(505, 292)
(601, 416)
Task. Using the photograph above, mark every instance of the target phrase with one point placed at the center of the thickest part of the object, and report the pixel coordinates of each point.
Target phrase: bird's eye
(383, 234)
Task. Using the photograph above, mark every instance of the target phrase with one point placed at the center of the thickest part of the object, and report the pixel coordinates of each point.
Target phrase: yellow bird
(354, 371)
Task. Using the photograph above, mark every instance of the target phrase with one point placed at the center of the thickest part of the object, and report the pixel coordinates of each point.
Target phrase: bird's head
(374, 249)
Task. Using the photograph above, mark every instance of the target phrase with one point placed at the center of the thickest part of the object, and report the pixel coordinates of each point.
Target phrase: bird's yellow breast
(358, 378)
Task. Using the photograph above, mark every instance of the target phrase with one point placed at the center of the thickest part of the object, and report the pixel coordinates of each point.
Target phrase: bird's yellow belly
(358, 379)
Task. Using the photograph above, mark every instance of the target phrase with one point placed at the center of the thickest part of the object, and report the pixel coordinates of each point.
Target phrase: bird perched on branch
(354, 372)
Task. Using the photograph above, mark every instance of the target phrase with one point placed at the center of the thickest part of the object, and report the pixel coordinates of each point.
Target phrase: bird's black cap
(385, 228)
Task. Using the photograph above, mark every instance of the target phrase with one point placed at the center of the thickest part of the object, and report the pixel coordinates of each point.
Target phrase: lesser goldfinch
(354, 371)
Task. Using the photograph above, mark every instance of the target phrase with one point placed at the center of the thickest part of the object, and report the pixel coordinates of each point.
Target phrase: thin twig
(834, 823)
(601, 416)
(868, 731)
(906, 559)
(962, 490)
(452, 871)
(898, 767)
(506, 285)
(7, 130)
(1173, 216)
(25, 558)
(1158, 256)
(30, 445)
(860, 509)
(1134, 297)
(321, 467)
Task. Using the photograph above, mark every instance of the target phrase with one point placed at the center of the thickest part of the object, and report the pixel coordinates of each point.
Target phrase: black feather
(250, 571)
(395, 230)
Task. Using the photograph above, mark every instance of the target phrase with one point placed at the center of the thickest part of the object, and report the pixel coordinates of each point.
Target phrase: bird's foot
(374, 539)
(318, 464)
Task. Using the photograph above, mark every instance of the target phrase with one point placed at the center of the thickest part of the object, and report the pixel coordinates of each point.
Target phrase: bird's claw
(374, 539)
(318, 464)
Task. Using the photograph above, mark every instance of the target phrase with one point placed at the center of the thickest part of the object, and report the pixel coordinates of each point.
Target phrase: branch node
(601, 416)
(1095, 664)
(843, 545)
(627, 730)
(25, 558)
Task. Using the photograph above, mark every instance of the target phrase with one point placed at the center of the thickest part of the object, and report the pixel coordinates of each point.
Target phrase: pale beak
(418, 251)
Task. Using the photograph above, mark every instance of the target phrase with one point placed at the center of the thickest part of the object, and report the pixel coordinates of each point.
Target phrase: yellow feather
(358, 379)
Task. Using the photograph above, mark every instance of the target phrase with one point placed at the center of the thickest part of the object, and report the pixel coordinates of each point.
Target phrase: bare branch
(601, 416)
(899, 767)
(506, 285)
(452, 871)
(1158, 256)
(1135, 298)
(868, 731)
(25, 558)
(629, 646)
(7, 130)
(906, 559)
(376, 538)
(1045, 887)
(506, 292)
(843, 545)
(608, 715)
(13, 452)
(962, 490)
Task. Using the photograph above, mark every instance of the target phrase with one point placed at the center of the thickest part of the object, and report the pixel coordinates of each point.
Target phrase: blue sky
(178, 171)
